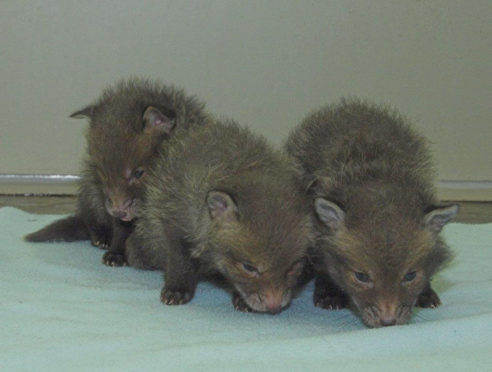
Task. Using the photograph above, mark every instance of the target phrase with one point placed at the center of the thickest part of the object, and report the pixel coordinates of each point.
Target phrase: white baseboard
(465, 190)
(38, 184)
(66, 184)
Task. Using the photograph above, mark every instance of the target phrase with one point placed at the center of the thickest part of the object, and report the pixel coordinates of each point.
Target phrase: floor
(470, 212)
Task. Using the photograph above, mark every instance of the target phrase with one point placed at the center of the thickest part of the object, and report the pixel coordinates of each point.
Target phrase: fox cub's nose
(123, 211)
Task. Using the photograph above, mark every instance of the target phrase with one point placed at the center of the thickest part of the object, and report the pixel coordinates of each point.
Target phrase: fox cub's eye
(296, 267)
(250, 269)
(362, 277)
(138, 173)
(409, 276)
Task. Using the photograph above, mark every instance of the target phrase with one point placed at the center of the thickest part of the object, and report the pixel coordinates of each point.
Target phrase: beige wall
(266, 63)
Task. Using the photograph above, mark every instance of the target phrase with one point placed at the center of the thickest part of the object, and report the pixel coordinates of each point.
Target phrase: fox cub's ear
(221, 206)
(86, 112)
(156, 122)
(329, 213)
(440, 216)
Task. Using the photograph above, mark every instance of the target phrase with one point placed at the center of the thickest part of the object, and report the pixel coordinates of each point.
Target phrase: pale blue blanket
(62, 310)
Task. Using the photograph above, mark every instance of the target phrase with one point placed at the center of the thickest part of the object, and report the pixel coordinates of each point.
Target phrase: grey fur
(218, 198)
(120, 139)
(368, 175)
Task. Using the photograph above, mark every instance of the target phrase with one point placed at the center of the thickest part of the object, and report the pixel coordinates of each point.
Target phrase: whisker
(345, 321)
(420, 315)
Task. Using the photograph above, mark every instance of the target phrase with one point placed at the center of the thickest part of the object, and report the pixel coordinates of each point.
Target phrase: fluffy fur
(222, 202)
(128, 123)
(369, 179)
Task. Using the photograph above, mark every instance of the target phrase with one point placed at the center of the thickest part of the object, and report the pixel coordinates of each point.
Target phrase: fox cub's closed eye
(249, 268)
(138, 173)
(296, 267)
(409, 276)
(362, 277)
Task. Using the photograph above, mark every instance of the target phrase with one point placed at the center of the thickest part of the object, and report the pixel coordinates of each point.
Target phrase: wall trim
(452, 184)
(464, 190)
(39, 177)
(38, 184)
(66, 184)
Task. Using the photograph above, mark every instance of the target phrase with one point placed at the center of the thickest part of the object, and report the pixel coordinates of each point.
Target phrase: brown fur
(221, 198)
(369, 176)
(127, 125)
